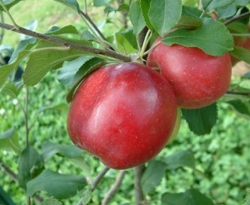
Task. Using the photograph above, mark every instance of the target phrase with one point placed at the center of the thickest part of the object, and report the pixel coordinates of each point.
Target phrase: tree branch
(64, 43)
(99, 178)
(239, 93)
(114, 188)
(139, 196)
(244, 15)
(96, 182)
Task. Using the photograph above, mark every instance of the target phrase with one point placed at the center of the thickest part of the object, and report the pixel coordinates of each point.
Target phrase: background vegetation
(217, 164)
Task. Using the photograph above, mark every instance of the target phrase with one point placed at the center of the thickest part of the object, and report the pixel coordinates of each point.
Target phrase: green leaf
(49, 149)
(5, 199)
(123, 45)
(12, 89)
(5, 49)
(46, 57)
(247, 75)
(190, 2)
(228, 8)
(51, 201)
(240, 106)
(30, 165)
(81, 163)
(6, 70)
(189, 22)
(191, 12)
(247, 201)
(165, 14)
(145, 6)
(9, 141)
(241, 54)
(86, 196)
(180, 159)
(130, 37)
(67, 73)
(98, 3)
(22, 45)
(212, 37)
(214, 4)
(9, 3)
(152, 176)
(71, 3)
(136, 17)
(189, 197)
(89, 67)
(58, 107)
(55, 30)
(201, 121)
(61, 186)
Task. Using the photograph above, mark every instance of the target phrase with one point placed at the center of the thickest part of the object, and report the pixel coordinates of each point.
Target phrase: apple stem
(139, 196)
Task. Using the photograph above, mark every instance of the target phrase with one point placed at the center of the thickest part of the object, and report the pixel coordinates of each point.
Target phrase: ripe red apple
(198, 79)
(123, 113)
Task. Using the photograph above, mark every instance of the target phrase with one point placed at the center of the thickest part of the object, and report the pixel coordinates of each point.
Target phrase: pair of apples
(125, 113)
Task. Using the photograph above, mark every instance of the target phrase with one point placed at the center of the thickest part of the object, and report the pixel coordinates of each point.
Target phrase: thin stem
(114, 188)
(2, 32)
(99, 178)
(96, 182)
(13, 175)
(92, 24)
(95, 30)
(244, 15)
(124, 15)
(241, 34)
(145, 43)
(9, 15)
(139, 196)
(29, 202)
(64, 43)
(239, 93)
(26, 116)
(8, 171)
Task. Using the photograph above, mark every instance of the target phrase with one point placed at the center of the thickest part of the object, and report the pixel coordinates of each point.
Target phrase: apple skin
(123, 113)
(198, 79)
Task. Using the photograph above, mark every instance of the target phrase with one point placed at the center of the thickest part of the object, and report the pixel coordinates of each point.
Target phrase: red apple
(123, 113)
(198, 79)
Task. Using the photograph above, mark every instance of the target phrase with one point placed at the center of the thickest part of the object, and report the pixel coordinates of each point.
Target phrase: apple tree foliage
(74, 53)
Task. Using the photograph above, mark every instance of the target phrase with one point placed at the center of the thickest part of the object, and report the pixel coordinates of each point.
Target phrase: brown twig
(114, 188)
(244, 15)
(239, 93)
(99, 178)
(96, 182)
(67, 44)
